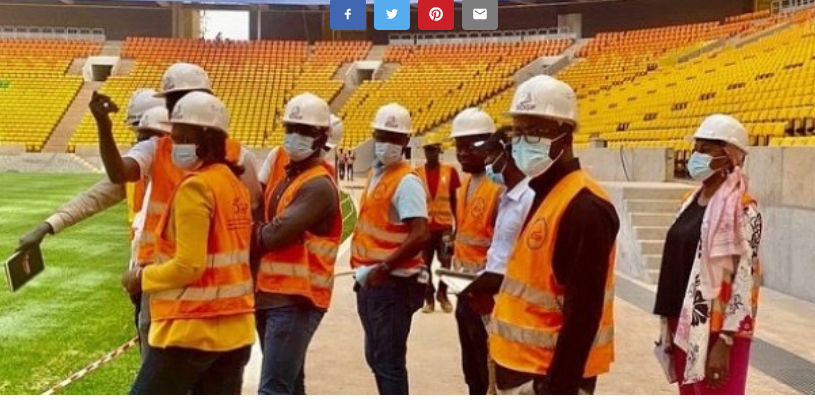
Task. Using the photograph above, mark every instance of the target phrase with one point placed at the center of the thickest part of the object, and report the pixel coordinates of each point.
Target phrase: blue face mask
(185, 157)
(699, 167)
(533, 159)
(495, 177)
(299, 147)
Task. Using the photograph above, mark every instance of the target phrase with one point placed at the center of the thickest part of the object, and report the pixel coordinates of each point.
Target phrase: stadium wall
(118, 23)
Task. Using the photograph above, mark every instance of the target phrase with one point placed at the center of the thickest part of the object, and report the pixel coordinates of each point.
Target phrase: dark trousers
(472, 336)
(436, 248)
(285, 334)
(349, 172)
(386, 314)
(182, 371)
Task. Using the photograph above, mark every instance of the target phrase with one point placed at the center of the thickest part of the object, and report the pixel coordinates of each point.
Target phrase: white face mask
(299, 147)
(533, 159)
(185, 157)
(699, 166)
(387, 153)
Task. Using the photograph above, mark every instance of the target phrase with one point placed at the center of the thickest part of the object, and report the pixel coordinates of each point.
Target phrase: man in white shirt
(513, 207)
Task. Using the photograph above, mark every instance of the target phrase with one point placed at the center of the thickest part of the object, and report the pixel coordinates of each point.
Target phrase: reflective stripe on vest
(297, 271)
(540, 338)
(304, 268)
(475, 219)
(225, 286)
(528, 313)
(375, 236)
(207, 293)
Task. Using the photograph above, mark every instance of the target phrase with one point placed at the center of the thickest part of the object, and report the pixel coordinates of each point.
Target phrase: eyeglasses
(531, 136)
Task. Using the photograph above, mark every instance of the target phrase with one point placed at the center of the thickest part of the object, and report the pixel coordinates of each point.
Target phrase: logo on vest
(478, 207)
(537, 234)
(379, 191)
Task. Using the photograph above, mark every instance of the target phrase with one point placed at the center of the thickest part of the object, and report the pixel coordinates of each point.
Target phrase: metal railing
(790, 6)
(65, 33)
(469, 37)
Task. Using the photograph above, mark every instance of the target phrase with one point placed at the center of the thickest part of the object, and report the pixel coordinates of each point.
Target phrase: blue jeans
(386, 314)
(183, 371)
(285, 334)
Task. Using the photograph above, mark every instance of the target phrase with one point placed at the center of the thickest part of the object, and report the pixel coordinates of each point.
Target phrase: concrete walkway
(336, 363)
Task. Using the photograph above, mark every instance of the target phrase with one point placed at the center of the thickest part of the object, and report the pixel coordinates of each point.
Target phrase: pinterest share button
(436, 15)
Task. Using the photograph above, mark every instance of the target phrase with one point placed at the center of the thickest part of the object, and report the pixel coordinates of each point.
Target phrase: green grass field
(76, 311)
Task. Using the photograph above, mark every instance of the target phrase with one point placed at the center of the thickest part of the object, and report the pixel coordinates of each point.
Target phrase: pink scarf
(722, 235)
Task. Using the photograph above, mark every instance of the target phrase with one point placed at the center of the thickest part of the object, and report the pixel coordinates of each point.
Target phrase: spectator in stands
(200, 284)
(552, 329)
(106, 194)
(713, 245)
(386, 252)
(442, 183)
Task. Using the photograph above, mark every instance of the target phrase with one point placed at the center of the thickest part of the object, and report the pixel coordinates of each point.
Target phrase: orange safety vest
(278, 173)
(375, 236)
(135, 199)
(225, 287)
(164, 178)
(528, 312)
(438, 206)
(304, 268)
(475, 225)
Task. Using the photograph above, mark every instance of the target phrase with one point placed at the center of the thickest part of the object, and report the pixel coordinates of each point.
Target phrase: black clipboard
(24, 266)
(488, 283)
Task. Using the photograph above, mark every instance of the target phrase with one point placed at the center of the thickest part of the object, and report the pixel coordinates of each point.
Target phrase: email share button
(479, 15)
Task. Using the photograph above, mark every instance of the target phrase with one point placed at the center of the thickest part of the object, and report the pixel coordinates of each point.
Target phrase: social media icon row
(433, 15)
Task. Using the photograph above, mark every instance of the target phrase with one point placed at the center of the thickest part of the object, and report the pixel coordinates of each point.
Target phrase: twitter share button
(393, 15)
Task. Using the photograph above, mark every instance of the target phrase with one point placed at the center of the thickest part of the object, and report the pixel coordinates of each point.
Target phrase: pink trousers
(737, 375)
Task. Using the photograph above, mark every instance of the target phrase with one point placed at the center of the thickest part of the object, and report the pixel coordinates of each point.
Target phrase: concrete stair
(125, 67)
(342, 71)
(376, 53)
(76, 66)
(385, 71)
(111, 48)
(58, 142)
(650, 213)
(339, 100)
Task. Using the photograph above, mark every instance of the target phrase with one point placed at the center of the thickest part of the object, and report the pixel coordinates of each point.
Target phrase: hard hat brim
(163, 94)
(171, 123)
(743, 148)
(390, 130)
(308, 123)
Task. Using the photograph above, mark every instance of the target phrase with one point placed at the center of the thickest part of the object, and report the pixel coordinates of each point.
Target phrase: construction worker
(442, 183)
(298, 240)
(476, 210)
(274, 167)
(153, 160)
(552, 329)
(106, 194)
(142, 100)
(200, 284)
(390, 235)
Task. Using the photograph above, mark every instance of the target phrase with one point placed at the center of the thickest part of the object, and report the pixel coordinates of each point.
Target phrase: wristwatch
(727, 339)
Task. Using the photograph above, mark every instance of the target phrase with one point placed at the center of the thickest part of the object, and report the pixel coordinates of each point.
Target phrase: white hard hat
(720, 127)
(472, 121)
(307, 109)
(141, 101)
(155, 119)
(545, 96)
(201, 109)
(394, 118)
(335, 136)
(184, 77)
